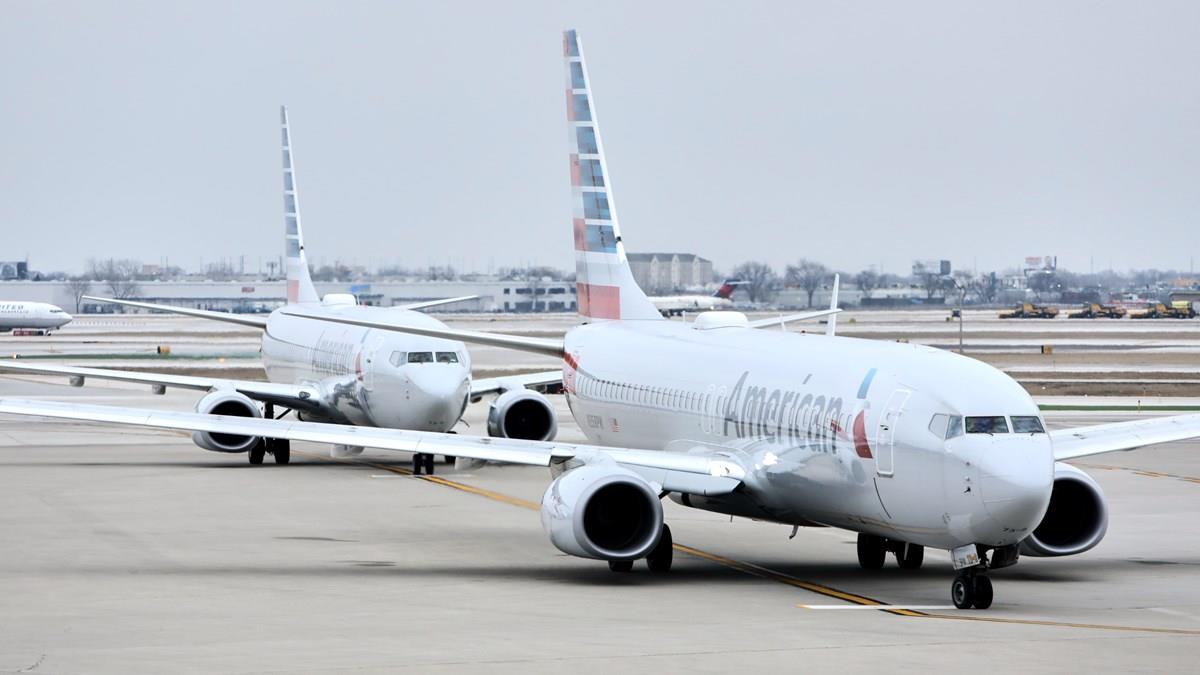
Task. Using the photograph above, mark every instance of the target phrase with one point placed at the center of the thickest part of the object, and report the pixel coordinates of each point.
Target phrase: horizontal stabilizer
(241, 319)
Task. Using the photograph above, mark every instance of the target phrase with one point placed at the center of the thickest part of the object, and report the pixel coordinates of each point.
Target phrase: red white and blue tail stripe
(606, 288)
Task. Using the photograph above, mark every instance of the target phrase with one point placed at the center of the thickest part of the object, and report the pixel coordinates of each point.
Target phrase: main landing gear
(279, 448)
(422, 461)
(658, 560)
(873, 550)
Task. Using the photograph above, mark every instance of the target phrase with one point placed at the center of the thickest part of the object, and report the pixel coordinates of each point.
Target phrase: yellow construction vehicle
(1180, 309)
(1095, 311)
(1029, 310)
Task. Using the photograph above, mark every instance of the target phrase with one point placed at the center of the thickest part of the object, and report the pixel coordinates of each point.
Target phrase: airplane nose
(1015, 479)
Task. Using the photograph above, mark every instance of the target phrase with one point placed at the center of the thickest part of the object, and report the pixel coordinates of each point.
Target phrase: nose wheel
(971, 589)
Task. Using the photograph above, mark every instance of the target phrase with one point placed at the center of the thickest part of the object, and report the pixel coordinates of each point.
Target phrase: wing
(438, 303)
(493, 385)
(289, 395)
(527, 344)
(1101, 438)
(788, 318)
(704, 473)
(186, 311)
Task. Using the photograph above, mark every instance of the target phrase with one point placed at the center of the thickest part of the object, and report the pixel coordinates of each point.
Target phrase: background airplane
(674, 305)
(907, 445)
(341, 374)
(41, 315)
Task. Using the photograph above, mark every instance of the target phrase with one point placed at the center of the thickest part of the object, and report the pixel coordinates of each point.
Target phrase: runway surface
(134, 551)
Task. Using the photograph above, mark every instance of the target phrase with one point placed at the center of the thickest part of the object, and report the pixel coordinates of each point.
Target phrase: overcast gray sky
(432, 133)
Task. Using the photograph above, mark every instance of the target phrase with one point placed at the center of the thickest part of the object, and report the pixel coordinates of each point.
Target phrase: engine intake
(602, 511)
(233, 404)
(522, 414)
(1076, 519)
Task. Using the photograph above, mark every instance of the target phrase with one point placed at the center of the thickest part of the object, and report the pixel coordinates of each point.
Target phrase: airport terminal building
(263, 296)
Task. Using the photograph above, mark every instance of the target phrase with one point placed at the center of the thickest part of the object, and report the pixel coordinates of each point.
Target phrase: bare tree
(867, 281)
(119, 276)
(809, 275)
(79, 287)
(758, 280)
(985, 287)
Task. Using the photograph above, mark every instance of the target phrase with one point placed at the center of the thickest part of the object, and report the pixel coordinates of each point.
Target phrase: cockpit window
(420, 357)
(987, 425)
(954, 429)
(447, 357)
(1027, 424)
(946, 426)
(396, 359)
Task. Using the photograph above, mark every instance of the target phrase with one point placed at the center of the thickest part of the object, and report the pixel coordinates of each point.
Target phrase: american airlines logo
(779, 415)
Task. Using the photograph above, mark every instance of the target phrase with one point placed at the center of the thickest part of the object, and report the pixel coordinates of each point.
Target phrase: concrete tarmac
(126, 550)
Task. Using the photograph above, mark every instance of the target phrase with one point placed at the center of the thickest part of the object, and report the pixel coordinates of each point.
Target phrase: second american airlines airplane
(342, 374)
(907, 445)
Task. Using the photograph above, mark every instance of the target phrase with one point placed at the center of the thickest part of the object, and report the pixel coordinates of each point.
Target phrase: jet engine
(602, 511)
(523, 414)
(233, 404)
(1076, 519)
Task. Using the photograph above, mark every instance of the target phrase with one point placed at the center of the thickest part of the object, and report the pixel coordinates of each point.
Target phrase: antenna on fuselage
(831, 326)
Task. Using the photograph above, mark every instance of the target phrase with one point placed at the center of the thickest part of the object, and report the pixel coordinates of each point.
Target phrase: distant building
(666, 272)
(17, 269)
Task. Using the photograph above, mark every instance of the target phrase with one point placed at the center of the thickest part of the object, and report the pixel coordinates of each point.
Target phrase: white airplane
(39, 315)
(907, 445)
(675, 305)
(341, 374)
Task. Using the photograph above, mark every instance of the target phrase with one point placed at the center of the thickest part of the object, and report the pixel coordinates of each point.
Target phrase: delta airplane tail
(299, 285)
(605, 284)
(725, 292)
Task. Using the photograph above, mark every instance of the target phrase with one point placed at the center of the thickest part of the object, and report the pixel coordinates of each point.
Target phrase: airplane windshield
(447, 357)
(1027, 424)
(946, 426)
(987, 425)
(420, 357)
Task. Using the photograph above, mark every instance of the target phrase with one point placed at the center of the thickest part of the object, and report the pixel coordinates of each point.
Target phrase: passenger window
(447, 357)
(1027, 424)
(955, 427)
(396, 358)
(937, 425)
(995, 424)
(420, 357)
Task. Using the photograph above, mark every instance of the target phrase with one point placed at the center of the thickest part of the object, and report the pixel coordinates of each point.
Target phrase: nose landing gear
(971, 589)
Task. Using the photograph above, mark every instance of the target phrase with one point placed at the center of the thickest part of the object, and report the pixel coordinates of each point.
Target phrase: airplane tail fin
(605, 284)
(299, 284)
(726, 289)
(831, 326)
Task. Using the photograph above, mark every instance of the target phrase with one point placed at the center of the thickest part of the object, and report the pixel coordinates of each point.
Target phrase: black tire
(983, 593)
(258, 452)
(418, 464)
(910, 556)
(871, 552)
(429, 464)
(962, 592)
(620, 565)
(660, 557)
(282, 452)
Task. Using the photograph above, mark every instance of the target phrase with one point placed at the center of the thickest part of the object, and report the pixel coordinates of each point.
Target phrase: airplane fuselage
(834, 431)
(31, 315)
(370, 377)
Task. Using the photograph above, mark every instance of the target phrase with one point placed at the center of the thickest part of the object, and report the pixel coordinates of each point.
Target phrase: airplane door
(885, 439)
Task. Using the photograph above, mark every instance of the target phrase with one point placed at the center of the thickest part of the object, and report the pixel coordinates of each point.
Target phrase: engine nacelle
(602, 511)
(1076, 519)
(233, 404)
(523, 414)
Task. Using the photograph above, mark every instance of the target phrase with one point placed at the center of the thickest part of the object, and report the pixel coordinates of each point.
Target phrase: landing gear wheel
(258, 452)
(962, 591)
(871, 552)
(418, 463)
(910, 556)
(281, 449)
(983, 592)
(429, 464)
(620, 565)
(659, 560)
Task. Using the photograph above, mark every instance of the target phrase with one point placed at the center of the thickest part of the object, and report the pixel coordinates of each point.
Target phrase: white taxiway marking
(876, 607)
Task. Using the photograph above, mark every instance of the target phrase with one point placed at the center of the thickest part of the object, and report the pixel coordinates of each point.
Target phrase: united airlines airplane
(39, 315)
(340, 373)
(907, 445)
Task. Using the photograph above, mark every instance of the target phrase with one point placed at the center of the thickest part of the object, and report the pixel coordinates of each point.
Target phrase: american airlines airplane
(675, 305)
(32, 315)
(907, 445)
(340, 373)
